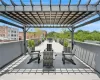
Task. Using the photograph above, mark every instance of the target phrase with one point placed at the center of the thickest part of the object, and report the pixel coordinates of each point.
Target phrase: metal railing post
(72, 38)
(24, 31)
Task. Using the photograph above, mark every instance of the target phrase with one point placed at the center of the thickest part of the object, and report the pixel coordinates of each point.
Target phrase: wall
(13, 34)
(3, 31)
(89, 53)
(10, 51)
(9, 33)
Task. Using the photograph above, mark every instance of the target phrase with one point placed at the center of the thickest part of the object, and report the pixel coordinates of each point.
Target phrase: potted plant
(31, 44)
(39, 42)
(58, 40)
(65, 46)
(61, 42)
(55, 39)
(42, 39)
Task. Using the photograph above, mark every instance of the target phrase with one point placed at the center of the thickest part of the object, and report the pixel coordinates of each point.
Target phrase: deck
(20, 70)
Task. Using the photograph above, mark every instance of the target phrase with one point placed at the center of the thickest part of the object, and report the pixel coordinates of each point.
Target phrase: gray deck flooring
(58, 65)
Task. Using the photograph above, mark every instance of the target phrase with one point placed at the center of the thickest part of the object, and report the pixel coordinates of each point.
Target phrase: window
(8, 30)
(11, 34)
(15, 35)
(14, 38)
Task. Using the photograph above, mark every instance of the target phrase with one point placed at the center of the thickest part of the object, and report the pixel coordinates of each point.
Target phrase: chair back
(49, 47)
(48, 58)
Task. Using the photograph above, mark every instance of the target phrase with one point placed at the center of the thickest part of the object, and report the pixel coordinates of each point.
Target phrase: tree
(38, 31)
(80, 35)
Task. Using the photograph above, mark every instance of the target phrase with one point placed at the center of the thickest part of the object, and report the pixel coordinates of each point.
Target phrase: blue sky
(52, 1)
(90, 27)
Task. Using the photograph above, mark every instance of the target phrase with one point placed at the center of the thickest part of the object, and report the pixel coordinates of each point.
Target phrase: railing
(89, 53)
(10, 51)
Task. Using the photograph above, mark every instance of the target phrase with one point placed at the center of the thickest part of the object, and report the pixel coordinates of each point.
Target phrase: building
(44, 33)
(9, 33)
(28, 35)
(32, 35)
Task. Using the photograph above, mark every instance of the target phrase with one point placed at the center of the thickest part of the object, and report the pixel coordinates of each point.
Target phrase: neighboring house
(32, 35)
(9, 33)
(28, 35)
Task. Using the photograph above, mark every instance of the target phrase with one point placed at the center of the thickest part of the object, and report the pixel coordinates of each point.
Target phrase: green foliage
(39, 41)
(86, 35)
(51, 34)
(31, 43)
(62, 35)
(65, 44)
(80, 35)
(43, 39)
(38, 31)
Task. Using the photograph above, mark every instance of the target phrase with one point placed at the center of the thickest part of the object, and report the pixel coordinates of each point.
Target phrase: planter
(61, 42)
(55, 40)
(33, 48)
(58, 40)
(42, 40)
(38, 43)
(67, 49)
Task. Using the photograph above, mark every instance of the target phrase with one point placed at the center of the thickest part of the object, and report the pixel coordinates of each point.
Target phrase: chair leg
(63, 60)
(30, 61)
(38, 58)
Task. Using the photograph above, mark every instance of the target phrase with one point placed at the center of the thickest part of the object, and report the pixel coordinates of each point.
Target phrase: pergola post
(72, 38)
(24, 31)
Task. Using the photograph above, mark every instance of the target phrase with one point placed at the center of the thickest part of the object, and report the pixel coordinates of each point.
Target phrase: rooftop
(19, 69)
(58, 14)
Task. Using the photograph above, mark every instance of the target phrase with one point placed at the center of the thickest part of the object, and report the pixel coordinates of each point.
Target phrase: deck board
(57, 64)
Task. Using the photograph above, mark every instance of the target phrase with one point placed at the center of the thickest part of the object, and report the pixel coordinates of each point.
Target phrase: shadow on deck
(21, 66)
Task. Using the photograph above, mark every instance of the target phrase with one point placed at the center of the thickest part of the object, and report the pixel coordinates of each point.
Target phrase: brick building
(3, 31)
(9, 33)
(32, 35)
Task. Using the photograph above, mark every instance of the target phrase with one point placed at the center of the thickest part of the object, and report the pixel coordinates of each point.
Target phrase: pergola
(49, 16)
